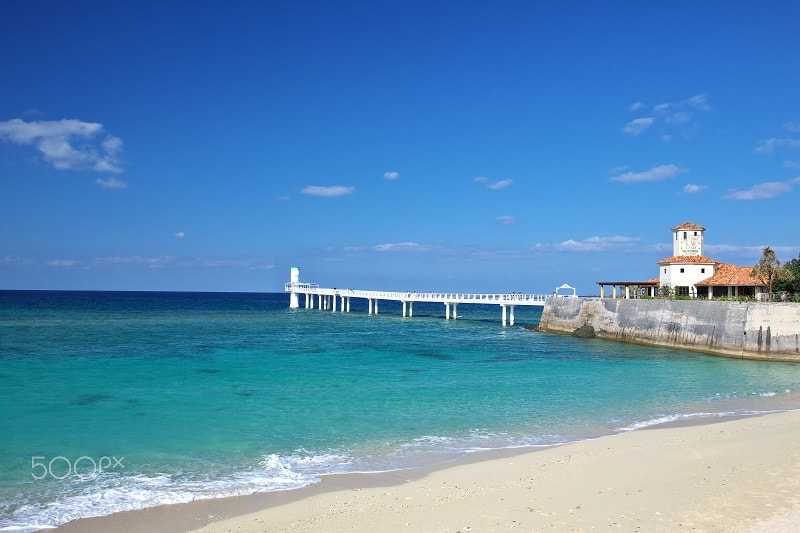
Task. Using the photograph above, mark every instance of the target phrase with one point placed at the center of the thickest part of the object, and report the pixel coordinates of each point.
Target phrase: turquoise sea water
(210, 395)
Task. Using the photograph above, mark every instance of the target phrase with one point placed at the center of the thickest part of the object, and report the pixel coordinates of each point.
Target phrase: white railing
(448, 297)
(300, 287)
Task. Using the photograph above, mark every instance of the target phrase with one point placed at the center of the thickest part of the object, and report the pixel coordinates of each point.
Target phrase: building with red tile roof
(690, 273)
(731, 280)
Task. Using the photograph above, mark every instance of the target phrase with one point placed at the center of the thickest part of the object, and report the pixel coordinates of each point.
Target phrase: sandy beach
(737, 475)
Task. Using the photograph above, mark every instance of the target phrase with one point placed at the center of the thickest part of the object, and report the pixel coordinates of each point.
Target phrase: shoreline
(714, 474)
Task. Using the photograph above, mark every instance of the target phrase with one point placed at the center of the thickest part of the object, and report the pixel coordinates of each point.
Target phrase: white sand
(738, 475)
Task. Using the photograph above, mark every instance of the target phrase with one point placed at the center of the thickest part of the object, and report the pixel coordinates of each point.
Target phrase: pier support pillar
(333, 297)
(503, 307)
(511, 315)
(294, 301)
(455, 310)
(348, 304)
(369, 306)
(410, 308)
(404, 308)
(376, 306)
(446, 311)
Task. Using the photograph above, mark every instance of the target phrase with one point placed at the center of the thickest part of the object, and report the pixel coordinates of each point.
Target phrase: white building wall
(692, 273)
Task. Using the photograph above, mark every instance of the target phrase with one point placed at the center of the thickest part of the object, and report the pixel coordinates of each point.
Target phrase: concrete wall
(753, 330)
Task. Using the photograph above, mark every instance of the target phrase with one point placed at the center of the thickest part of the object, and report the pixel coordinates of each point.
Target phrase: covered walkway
(630, 289)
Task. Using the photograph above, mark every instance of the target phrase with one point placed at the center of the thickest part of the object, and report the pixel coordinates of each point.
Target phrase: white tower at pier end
(294, 281)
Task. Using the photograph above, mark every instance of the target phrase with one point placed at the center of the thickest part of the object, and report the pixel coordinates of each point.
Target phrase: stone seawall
(750, 330)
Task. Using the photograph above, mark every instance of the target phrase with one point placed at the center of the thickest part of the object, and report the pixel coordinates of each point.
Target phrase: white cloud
(666, 138)
(180, 235)
(18, 131)
(506, 220)
(14, 260)
(672, 114)
(637, 126)
(111, 183)
(168, 261)
(679, 118)
(67, 144)
(658, 173)
(720, 249)
(328, 192)
(391, 175)
(502, 184)
(398, 247)
(763, 191)
(767, 146)
(112, 144)
(753, 251)
(497, 185)
(691, 188)
(792, 126)
(136, 260)
(659, 248)
(64, 263)
(791, 164)
(699, 102)
(592, 244)
(212, 262)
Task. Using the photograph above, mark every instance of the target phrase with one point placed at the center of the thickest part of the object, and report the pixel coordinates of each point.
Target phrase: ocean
(113, 401)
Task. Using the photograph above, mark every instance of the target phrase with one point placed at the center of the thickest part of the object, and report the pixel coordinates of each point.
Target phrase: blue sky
(472, 146)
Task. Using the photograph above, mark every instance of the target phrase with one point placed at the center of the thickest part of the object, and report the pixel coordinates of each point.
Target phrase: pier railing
(333, 298)
(413, 296)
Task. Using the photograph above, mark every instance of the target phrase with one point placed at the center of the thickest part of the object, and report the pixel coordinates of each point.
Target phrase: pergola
(566, 287)
(630, 289)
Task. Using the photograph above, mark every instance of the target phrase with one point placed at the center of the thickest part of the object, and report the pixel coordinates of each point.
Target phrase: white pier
(328, 299)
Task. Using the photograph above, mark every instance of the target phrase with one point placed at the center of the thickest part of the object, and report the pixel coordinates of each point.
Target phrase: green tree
(666, 291)
(792, 286)
(769, 270)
